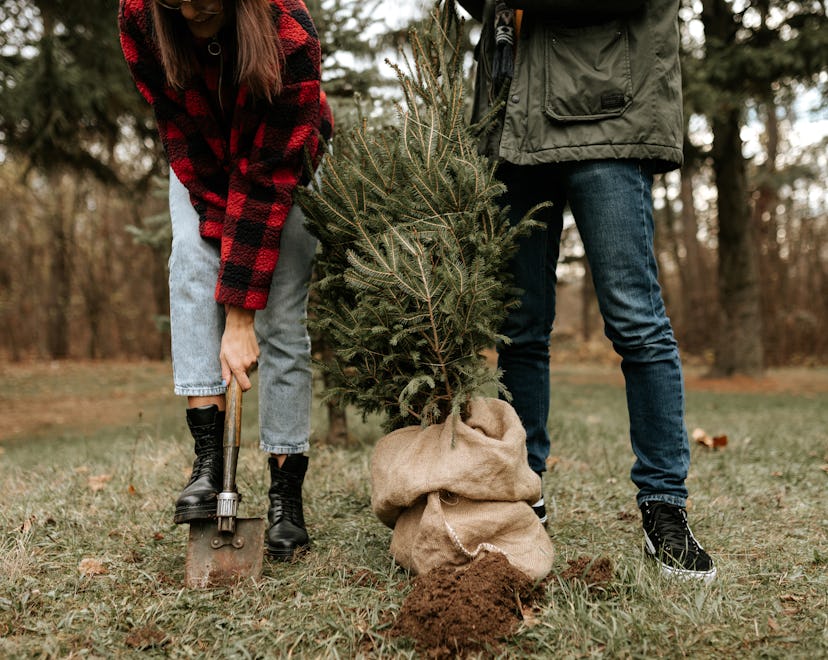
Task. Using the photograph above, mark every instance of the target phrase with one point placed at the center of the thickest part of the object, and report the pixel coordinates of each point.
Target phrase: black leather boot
(198, 499)
(286, 518)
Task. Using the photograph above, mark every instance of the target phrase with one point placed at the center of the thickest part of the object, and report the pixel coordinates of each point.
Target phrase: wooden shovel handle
(232, 434)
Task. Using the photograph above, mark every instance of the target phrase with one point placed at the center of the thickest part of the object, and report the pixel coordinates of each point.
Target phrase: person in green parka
(591, 110)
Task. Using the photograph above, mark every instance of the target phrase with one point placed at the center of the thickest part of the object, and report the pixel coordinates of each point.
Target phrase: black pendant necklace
(214, 47)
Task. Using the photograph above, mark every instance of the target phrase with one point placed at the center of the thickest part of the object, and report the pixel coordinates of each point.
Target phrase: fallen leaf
(701, 437)
(131, 490)
(712, 442)
(89, 567)
(98, 482)
(27, 524)
(158, 536)
(791, 597)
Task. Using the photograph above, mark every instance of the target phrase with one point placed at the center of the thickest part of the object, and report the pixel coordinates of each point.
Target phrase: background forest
(742, 232)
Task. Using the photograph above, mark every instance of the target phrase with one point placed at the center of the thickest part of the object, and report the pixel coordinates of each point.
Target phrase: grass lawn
(92, 457)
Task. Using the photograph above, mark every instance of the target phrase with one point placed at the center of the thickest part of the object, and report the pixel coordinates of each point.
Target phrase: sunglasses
(201, 6)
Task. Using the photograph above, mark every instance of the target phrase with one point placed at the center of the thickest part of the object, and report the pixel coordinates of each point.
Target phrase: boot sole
(281, 554)
(185, 515)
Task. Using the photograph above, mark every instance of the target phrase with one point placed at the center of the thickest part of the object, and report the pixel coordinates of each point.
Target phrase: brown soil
(596, 573)
(456, 612)
(144, 638)
(54, 396)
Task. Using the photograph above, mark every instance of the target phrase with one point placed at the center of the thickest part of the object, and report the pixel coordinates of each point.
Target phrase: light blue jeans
(197, 324)
(611, 202)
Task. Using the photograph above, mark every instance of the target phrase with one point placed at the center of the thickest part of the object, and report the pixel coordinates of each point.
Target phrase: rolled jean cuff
(669, 499)
(285, 449)
(200, 391)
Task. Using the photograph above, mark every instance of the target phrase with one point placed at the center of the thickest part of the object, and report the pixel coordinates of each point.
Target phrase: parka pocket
(587, 72)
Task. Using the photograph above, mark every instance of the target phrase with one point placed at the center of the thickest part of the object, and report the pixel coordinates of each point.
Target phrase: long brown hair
(259, 56)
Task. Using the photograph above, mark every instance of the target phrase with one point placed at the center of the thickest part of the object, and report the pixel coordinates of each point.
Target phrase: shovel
(222, 551)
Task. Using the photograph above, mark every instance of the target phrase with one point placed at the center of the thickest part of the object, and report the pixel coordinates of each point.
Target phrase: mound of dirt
(453, 612)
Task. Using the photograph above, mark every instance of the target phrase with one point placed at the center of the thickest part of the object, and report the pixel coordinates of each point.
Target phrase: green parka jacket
(593, 79)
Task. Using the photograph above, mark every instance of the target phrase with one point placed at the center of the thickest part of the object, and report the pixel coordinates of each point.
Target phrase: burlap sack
(451, 491)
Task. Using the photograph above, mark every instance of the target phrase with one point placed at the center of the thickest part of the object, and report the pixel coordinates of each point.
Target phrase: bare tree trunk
(668, 241)
(690, 229)
(739, 344)
(59, 284)
(96, 279)
(699, 304)
(156, 307)
(772, 268)
(8, 327)
(161, 298)
(338, 435)
(815, 269)
(337, 419)
(807, 313)
(13, 270)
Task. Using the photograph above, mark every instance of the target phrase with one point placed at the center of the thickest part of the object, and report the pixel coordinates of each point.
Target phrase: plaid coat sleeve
(242, 190)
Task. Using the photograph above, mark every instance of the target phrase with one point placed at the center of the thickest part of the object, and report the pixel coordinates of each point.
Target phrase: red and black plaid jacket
(242, 177)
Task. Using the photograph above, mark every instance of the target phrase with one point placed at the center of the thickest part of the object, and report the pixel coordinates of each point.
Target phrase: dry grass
(91, 565)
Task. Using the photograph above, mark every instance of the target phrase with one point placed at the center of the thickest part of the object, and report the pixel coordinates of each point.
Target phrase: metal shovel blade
(223, 550)
(221, 559)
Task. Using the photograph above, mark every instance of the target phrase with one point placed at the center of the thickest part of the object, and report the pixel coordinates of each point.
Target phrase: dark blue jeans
(611, 202)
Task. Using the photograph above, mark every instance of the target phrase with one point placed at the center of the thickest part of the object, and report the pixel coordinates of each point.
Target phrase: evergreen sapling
(411, 283)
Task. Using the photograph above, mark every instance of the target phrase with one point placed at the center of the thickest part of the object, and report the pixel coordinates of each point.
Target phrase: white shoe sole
(673, 573)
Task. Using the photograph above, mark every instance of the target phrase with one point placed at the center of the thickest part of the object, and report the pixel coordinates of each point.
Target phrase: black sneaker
(539, 508)
(669, 541)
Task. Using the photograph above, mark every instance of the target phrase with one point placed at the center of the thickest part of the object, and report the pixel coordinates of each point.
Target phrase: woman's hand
(239, 348)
